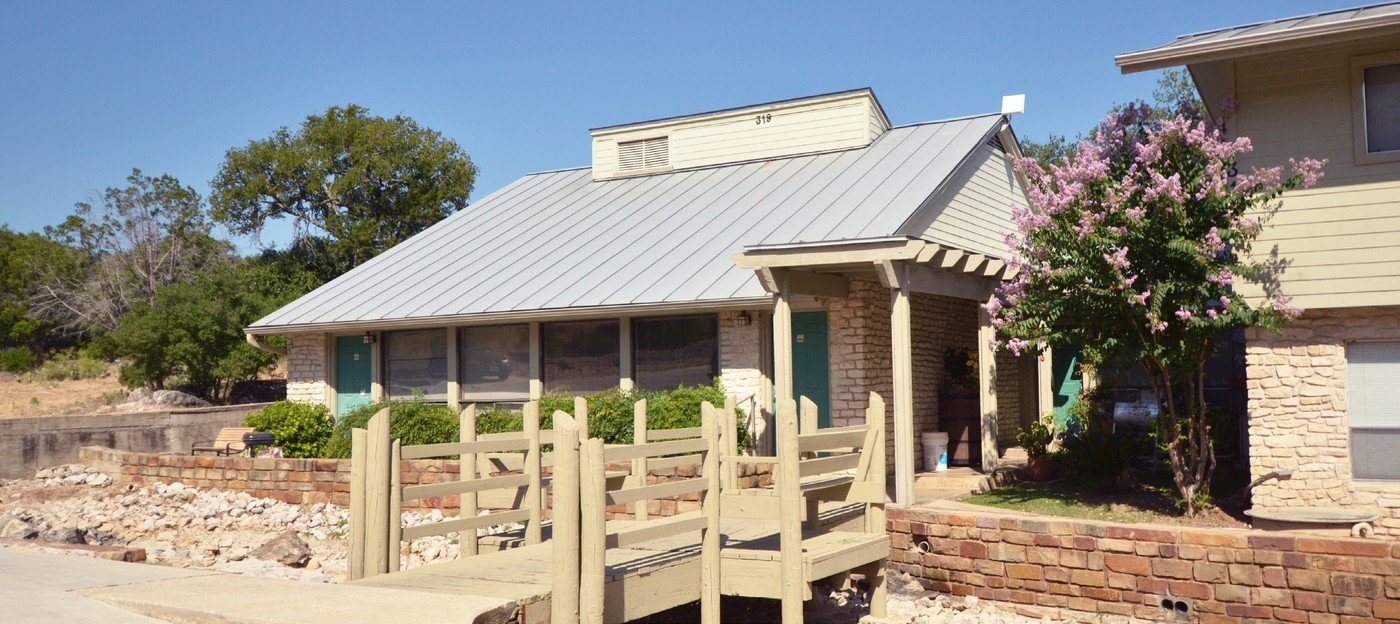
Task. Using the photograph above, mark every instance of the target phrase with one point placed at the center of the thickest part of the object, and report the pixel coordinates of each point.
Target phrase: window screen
(1373, 408)
(580, 356)
(495, 364)
(1381, 94)
(416, 361)
(676, 351)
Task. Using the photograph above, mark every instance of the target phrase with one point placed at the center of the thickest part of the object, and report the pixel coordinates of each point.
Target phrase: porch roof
(559, 242)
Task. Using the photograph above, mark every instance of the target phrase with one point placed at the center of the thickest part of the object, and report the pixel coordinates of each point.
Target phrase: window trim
(1367, 482)
(1358, 108)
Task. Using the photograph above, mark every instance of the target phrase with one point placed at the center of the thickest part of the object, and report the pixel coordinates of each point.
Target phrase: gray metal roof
(560, 240)
(1313, 28)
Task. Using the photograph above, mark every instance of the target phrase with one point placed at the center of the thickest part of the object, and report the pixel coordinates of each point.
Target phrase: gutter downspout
(256, 344)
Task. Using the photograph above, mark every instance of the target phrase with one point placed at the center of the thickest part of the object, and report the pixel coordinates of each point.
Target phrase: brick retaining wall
(1102, 572)
(308, 481)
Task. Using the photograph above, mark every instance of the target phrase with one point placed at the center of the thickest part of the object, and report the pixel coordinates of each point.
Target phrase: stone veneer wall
(861, 353)
(1298, 413)
(306, 368)
(741, 364)
(1102, 572)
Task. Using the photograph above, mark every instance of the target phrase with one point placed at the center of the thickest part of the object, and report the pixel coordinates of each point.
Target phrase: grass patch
(1088, 499)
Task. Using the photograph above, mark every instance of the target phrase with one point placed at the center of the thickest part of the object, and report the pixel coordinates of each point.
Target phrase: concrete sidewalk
(40, 587)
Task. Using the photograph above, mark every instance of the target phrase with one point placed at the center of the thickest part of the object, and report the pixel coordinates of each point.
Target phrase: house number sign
(759, 120)
(801, 338)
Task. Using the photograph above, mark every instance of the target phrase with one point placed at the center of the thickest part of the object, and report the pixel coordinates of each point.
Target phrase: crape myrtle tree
(1130, 248)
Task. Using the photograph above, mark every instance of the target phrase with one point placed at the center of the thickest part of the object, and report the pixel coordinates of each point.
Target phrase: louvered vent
(644, 154)
(996, 143)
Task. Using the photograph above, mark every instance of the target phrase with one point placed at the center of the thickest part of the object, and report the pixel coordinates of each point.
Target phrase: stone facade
(307, 380)
(1100, 572)
(741, 365)
(1298, 413)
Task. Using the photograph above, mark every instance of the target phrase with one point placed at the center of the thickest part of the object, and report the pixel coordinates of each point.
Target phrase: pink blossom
(1118, 259)
(1212, 314)
(1213, 242)
(1309, 169)
(1141, 298)
(1224, 277)
(1224, 301)
(1184, 314)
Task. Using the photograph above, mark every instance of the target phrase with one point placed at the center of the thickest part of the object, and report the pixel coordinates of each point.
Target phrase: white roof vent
(652, 153)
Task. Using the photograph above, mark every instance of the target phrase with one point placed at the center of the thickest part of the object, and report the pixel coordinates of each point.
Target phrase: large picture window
(416, 361)
(1376, 107)
(495, 364)
(675, 351)
(580, 356)
(1373, 409)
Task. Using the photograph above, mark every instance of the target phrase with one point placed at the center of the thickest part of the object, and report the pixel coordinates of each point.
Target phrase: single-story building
(804, 247)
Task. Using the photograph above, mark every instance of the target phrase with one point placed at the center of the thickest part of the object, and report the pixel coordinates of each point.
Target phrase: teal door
(810, 366)
(1067, 380)
(352, 373)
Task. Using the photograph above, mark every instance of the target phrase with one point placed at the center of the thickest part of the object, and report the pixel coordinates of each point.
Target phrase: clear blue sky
(89, 90)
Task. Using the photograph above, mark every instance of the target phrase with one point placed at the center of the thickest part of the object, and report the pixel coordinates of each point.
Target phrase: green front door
(1064, 366)
(810, 366)
(352, 373)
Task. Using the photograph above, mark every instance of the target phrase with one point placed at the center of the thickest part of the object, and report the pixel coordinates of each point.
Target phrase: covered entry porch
(894, 309)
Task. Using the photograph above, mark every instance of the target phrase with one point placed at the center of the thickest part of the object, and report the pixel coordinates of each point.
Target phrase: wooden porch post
(902, 360)
(782, 340)
(1045, 382)
(454, 377)
(987, 388)
(624, 354)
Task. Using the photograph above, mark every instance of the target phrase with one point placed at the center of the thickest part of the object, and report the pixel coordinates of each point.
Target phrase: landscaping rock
(286, 549)
(15, 527)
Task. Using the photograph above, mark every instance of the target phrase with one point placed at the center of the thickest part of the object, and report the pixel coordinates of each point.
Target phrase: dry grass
(54, 398)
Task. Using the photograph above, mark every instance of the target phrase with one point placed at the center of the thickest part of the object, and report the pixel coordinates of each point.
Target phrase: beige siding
(810, 125)
(1339, 239)
(974, 212)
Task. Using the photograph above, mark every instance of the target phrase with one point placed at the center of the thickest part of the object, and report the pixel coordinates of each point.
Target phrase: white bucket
(935, 450)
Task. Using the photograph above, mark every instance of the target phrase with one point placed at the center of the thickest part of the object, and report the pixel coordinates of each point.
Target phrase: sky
(89, 90)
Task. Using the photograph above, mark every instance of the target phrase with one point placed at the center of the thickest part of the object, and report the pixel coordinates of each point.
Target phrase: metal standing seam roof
(560, 240)
(1336, 23)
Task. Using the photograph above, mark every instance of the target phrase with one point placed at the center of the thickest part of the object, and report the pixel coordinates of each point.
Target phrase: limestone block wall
(307, 377)
(858, 336)
(741, 364)
(1298, 413)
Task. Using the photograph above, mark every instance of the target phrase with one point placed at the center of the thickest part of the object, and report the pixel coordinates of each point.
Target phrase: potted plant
(1036, 438)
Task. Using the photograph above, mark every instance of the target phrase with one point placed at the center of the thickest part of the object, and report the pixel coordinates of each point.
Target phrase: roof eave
(1245, 45)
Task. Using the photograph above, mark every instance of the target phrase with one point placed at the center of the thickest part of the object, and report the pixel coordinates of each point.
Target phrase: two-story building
(1324, 395)
(805, 247)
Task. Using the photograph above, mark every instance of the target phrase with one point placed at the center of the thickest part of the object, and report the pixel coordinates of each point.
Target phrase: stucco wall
(1298, 413)
(307, 379)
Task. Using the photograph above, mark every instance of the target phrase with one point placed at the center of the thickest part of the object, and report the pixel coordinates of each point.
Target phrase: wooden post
(639, 465)
(359, 449)
(987, 388)
(902, 353)
(593, 533)
(377, 474)
(467, 472)
(454, 375)
(536, 365)
(581, 415)
(807, 423)
(533, 492)
(875, 512)
(782, 340)
(1044, 381)
(790, 513)
(626, 374)
(564, 596)
(731, 424)
(712, 425)
(395, 519)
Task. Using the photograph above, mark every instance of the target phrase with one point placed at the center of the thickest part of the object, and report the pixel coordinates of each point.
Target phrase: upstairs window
(1376, 107)
(1373, 394)
(653, 153)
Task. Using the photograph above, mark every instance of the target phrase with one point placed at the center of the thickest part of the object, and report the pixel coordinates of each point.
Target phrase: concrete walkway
(42, 588)
(39, 587)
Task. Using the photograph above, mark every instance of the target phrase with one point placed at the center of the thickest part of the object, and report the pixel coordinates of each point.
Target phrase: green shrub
(64, 369)
(301, 429)
(17, 359)
(1037, 436)
(1102, 454)
(415, 421)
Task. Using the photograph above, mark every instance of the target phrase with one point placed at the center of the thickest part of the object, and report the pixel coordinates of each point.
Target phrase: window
(416, 361)
(1373, 409)
(495, 363)
(676, 351)
(580, 356)
(1376, 107)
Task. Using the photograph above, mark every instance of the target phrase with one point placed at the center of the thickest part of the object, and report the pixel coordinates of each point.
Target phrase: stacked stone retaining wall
(1102, 572)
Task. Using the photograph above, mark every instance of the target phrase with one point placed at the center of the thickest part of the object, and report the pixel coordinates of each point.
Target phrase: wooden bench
(228, 442)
